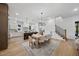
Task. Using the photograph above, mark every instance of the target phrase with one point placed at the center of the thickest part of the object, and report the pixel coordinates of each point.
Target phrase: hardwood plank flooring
(65, 48)
(14, 48)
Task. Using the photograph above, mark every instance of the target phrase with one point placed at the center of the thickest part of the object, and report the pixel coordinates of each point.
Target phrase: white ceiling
(33, 10)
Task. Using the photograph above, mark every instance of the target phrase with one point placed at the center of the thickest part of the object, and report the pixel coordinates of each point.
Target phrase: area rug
(45, 50)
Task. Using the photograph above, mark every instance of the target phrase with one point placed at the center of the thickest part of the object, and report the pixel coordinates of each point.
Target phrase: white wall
(13, 23)
(69, 25)
(50, 26)
(60, 22)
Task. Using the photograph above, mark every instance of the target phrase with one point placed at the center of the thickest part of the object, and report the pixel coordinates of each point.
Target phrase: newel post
(65, 34)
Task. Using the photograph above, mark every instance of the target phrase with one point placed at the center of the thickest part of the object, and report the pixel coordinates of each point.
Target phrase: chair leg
(40, 45)
(33, 44)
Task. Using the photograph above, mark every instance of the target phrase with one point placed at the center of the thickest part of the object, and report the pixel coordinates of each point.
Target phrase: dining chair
(31, 41)
(42, 40)
(48, 38)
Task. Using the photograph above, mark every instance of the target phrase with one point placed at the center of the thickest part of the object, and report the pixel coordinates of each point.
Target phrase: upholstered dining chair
(41, 41)
(31, 41)
(48, 38)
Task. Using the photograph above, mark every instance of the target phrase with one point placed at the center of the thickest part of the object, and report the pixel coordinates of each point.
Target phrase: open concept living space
(39, 29)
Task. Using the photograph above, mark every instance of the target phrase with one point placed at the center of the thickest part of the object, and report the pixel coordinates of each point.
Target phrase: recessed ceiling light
(59, 18)
(75, 9)
(17, 13)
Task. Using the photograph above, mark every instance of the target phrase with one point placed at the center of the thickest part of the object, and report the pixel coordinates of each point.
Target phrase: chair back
(30, 38)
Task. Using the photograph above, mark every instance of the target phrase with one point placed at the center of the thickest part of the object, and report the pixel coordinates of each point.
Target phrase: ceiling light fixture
(75, 9)
(17, 13)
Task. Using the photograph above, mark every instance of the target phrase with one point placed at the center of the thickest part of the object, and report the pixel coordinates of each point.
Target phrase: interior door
(3, 26)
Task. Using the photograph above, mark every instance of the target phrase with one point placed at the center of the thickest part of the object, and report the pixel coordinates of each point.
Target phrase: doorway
(77, 29)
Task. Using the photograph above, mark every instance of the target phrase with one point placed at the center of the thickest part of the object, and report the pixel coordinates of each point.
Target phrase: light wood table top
(36, 35)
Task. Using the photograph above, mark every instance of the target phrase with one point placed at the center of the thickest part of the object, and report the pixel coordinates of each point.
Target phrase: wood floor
(65, 48)
(15, 48)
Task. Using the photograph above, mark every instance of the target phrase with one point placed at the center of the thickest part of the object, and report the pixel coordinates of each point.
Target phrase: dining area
(40, 45)
(38, 40)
